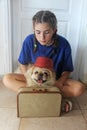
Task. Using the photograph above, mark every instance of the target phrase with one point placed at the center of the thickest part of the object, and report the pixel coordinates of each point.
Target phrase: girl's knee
(74, 90)
(79, 90)
(6, 78)
(82, 88)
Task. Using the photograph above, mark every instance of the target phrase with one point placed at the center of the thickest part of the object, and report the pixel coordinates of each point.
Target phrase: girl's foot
(66, 105)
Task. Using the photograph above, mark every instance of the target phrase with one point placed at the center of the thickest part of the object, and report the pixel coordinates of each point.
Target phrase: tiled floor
(74, 120)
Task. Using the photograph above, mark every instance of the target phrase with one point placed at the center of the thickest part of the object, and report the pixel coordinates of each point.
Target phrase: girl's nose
(42, 36)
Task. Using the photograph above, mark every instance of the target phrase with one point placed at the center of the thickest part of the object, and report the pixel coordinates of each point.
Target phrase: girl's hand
(62, 80)
(59, 83)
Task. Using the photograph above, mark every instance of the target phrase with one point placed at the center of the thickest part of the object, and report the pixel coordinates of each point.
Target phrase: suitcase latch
(40, 90)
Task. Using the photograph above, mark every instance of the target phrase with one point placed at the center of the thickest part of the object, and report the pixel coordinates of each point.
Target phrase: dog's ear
(29, 72)
(52, 73)
(29, 66)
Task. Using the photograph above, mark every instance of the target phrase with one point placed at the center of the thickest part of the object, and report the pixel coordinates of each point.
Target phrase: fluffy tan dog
(38, 76)
(41, 73)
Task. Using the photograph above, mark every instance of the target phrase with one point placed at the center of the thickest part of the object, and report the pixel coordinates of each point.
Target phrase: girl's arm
(23, 68)
(61, 81)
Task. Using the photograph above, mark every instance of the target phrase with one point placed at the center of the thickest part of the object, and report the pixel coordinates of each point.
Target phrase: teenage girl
(47, 43)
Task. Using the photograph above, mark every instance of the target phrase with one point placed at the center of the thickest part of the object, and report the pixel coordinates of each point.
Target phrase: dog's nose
(40, 76)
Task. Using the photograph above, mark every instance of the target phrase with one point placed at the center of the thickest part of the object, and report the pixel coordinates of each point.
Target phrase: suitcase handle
(40, 90)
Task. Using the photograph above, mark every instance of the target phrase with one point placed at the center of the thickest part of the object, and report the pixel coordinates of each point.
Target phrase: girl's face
(43, 33)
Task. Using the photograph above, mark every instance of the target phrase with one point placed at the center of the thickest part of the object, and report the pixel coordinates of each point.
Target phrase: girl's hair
(45, 17)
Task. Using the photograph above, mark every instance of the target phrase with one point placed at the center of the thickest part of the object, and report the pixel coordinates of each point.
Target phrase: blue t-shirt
(62, 58)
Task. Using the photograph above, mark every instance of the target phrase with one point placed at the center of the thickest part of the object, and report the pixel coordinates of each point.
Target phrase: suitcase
(38, 102)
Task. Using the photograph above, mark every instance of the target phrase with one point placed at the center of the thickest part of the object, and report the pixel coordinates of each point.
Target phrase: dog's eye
(46, 73)
(36, 72)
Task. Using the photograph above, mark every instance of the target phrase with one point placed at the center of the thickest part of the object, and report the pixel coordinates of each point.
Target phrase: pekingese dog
(41, 77)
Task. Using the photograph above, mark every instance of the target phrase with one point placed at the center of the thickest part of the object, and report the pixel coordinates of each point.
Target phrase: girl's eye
(37, 32)
(46, 32)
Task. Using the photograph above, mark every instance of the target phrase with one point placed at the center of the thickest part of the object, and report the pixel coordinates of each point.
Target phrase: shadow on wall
(83, 66)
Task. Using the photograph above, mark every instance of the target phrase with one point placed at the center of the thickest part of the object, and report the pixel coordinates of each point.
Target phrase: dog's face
(42, 76)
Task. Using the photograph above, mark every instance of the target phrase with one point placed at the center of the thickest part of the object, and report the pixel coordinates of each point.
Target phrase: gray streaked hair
(45, 17)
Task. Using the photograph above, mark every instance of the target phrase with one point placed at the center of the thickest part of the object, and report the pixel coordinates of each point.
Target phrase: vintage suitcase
(38, 102)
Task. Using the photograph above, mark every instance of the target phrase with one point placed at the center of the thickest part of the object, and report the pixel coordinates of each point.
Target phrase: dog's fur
(42, 77)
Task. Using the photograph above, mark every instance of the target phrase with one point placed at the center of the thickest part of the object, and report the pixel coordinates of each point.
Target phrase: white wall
(82, 48)
(1, 37)
(5, 37)
(68, 13)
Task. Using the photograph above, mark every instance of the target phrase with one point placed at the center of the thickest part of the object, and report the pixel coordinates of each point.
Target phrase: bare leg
(14, 81)
(72, 88)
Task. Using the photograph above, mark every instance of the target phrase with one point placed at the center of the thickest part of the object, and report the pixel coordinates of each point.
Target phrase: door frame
(82, 44)
(7, 36)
